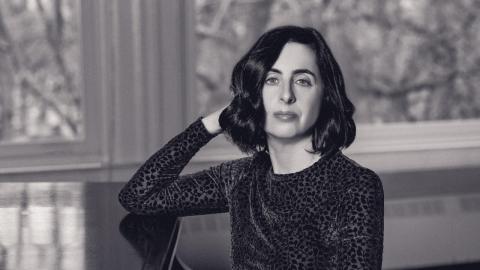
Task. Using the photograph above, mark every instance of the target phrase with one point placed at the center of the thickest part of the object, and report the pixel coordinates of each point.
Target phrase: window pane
(40, 71)
(403, 61)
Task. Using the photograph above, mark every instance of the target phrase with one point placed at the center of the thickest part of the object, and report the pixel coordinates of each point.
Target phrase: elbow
(143, 201)
(129, 198)
(127, 201)
(134, 204)
(122, 200)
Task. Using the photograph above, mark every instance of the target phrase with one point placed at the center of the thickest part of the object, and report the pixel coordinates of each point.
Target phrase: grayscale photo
(239, 134)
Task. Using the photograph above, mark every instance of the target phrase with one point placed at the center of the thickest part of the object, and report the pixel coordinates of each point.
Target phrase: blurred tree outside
(403, 61)
(40, 71)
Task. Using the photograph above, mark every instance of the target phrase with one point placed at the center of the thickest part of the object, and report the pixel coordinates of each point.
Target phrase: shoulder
(233, 172)
(357, 178)
(361, 199)
(238, 164)
(234, 169)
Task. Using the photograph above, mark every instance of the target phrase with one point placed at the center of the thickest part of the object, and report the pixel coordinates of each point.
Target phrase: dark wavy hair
(243, 121)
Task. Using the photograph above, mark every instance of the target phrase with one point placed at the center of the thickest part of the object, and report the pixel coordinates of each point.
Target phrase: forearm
(164, 167)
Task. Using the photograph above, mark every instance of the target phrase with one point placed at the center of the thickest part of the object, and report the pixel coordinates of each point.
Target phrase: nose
(287, 94)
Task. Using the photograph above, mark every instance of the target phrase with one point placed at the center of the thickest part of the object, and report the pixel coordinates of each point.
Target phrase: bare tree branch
(215, 26)
(210, 84)
(54, 34)
(431, 84)
(205, 33)
(26, 80)
(8, 43)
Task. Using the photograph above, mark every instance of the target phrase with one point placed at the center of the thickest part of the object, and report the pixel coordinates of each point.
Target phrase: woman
(296, 202)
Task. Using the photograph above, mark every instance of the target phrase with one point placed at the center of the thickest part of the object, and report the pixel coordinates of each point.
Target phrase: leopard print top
(327, 216)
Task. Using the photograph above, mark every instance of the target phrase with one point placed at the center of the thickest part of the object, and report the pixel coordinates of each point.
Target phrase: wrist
(211, 125)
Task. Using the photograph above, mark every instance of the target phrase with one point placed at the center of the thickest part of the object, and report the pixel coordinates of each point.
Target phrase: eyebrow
(296, 71)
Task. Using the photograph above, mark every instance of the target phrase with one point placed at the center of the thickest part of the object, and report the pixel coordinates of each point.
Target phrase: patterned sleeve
(158, 188)
(361, 224)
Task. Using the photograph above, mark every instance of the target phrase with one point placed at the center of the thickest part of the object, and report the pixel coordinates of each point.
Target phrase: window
(409, 71)
(51, 85)
(133, 78)
(41, 95)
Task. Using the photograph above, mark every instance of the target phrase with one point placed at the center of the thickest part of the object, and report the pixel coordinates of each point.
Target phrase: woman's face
(292, 93)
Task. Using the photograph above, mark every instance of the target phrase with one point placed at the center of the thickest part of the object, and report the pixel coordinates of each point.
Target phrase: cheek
(266, 99)
(313, 109)
(312, 113)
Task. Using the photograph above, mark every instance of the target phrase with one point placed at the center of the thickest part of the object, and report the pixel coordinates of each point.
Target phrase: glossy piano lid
(78, 226)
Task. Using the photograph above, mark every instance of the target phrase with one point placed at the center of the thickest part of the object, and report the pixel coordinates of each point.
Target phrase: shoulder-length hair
(243, 121)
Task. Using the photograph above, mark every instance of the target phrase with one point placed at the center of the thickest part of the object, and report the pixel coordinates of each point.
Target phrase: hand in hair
(211, 122)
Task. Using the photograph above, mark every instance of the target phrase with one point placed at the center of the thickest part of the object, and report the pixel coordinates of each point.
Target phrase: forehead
(296, 56)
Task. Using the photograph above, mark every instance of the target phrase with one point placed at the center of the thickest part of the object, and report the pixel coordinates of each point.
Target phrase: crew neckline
(292, 175)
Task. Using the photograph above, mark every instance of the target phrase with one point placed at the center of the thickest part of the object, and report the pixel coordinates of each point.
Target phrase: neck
(288, 156)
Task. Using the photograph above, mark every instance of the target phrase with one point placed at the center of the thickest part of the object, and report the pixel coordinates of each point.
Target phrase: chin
(284, 134)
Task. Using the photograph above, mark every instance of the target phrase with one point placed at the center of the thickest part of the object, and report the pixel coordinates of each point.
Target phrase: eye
(271, 81)
(304, 82)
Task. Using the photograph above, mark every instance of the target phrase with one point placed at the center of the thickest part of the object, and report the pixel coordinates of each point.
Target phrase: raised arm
(361, 224)
(157, 186)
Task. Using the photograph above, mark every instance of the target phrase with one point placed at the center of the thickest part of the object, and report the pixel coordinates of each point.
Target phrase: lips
(285, 115)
